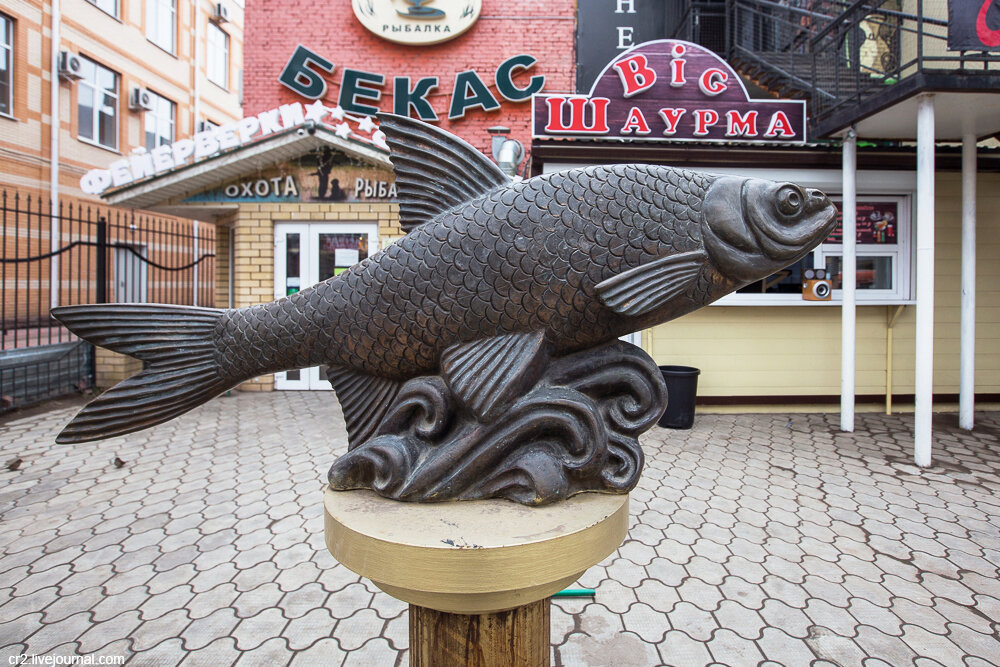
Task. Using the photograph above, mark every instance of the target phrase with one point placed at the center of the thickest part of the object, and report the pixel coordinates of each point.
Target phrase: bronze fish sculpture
(493, 277)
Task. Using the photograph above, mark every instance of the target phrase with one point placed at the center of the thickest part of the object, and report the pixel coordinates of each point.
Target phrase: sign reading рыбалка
(669, 90)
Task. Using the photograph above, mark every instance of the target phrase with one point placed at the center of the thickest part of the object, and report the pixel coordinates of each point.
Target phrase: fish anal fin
(489, 374)
(435, 170)
(365, 400)
(647, 287)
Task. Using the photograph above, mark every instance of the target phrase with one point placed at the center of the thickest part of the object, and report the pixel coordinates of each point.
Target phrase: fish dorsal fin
(435, 170)
(364, 398)
(488, 374)
(644, 288)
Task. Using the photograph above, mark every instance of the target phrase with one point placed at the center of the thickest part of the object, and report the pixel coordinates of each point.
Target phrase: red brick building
(544, 31)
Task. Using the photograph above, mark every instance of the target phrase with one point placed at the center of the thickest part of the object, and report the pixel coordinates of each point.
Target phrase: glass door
(305, 254)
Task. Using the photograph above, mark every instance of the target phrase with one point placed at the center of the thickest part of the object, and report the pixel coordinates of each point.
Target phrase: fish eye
(789, 200)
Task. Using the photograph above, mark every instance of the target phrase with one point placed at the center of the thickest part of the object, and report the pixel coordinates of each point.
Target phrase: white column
(54, 281)
(967, 382)
(848, 282)
(924, 362)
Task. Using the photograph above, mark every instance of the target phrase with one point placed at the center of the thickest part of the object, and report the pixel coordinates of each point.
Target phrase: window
(883, 258)
(6, 66)
(218, 56)
(161, 23)
(159, 122)
(97, 105)
(107, 6)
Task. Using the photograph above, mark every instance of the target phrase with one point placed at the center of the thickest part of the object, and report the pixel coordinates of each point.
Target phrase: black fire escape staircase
(848, 59)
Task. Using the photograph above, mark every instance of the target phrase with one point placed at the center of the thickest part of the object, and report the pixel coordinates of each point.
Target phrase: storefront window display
(883, 258)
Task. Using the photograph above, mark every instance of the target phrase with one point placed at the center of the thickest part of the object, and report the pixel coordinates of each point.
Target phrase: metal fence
(78, 254)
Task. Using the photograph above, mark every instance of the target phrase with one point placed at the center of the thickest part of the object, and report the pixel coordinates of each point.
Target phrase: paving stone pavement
(755, 540)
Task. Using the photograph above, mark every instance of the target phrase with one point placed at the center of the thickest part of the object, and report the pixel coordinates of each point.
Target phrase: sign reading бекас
(669, 90)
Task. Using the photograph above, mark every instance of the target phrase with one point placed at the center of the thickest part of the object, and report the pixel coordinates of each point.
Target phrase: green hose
(575, 593)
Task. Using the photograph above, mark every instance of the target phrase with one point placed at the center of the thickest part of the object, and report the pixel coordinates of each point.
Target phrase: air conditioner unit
(70, 65)
(220, 13)
(140, 100)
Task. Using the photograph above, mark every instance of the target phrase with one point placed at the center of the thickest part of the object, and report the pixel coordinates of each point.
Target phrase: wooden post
(514, 638)
(477, 574)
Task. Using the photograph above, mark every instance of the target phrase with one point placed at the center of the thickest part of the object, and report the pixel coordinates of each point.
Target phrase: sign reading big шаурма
(669, 90)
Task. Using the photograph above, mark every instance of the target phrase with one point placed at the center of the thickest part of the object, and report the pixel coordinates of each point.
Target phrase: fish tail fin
(178, 344)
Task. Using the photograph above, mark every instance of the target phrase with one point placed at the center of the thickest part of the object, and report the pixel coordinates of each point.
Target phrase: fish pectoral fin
(489, 374)
(645, 288)
(435, 170)
(364, 398)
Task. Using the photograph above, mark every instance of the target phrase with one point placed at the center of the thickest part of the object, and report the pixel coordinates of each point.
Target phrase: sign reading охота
(669, 90)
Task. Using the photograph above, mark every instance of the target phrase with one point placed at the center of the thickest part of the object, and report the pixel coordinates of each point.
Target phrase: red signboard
(876, 223)
(669, 90)
(974, 25)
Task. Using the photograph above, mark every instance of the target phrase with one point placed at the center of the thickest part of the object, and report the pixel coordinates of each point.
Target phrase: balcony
(860, 63)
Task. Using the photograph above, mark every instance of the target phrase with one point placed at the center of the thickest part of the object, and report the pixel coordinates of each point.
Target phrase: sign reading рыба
(669, 90)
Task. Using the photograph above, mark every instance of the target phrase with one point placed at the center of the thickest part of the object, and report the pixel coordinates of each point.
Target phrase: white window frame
(96, 124)
(99, 5)
(310, 378)
(7, 57)
(154, 27)
(159, 119)
(900, 252)
(216, 63)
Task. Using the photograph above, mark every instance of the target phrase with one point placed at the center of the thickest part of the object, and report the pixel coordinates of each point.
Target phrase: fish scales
(535, 268)
(481, 290)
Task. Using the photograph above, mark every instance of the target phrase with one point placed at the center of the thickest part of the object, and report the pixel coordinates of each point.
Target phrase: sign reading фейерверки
(417, 21)
(669, 90)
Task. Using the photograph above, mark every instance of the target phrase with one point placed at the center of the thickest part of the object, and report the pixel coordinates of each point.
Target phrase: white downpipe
(195, 84)
(924, 362)
(848, 314)
(54, 282)
(967, 381)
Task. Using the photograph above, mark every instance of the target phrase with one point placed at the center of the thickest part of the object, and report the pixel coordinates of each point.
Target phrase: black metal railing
(84, 254)
(874, 46)
(770, 43)
(837, 54)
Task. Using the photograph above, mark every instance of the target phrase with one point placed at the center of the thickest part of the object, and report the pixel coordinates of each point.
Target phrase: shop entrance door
(305, 254)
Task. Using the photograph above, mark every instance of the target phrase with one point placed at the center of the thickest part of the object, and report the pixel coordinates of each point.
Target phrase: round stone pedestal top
(472, 557)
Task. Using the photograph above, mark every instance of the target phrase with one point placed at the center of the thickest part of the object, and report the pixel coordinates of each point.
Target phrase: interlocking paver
(253, 631)
(834, 647)
(928, 644)
(773, 532)
(99, 635)
(679, 650)
(165, 654)
(204, 603)
(782, 649)
(322, 654)
(354, 631)
(221, 652)
(151, 633)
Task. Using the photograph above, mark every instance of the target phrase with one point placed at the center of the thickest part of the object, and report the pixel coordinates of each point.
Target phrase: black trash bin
(682, 388)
